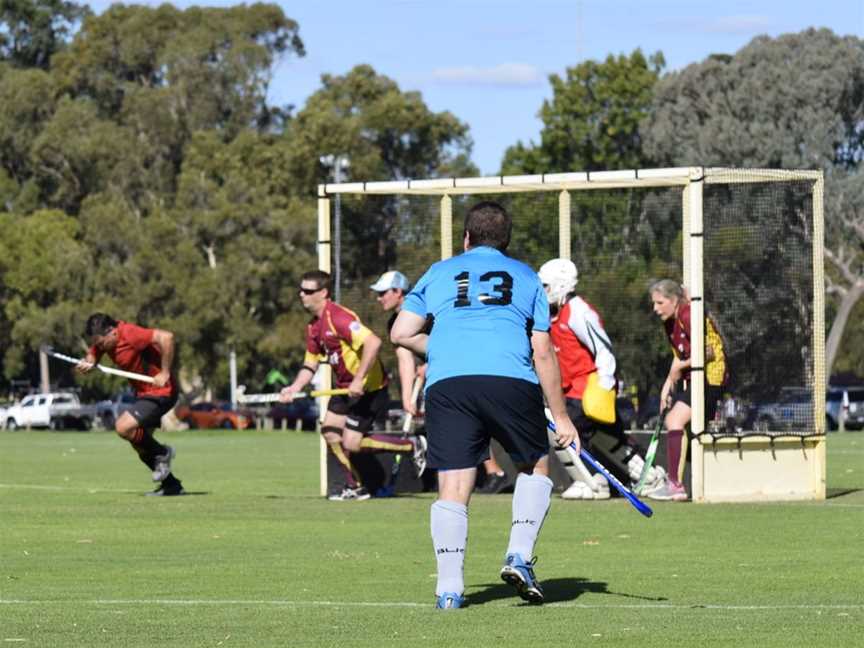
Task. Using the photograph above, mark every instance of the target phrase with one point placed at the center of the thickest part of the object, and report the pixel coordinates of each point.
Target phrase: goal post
(747, 243)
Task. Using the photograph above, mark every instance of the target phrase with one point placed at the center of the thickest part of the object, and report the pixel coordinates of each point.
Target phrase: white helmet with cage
(559, 277)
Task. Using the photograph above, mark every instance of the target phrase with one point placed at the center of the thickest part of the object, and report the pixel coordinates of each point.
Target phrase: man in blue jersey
(491, 318)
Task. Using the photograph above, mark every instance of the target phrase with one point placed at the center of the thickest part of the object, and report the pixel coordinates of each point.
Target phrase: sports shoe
(655, 481)
(669, 492)
(495, 483)
(347, 494)
(168, 491)
(581, 491)
(162, 466)
(419, 456)
(450, 601)
(519, 574)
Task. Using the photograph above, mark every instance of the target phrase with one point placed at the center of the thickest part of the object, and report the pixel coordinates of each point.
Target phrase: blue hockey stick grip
(638, 504)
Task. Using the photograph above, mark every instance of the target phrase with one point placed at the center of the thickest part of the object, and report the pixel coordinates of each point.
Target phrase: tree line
(144, 173)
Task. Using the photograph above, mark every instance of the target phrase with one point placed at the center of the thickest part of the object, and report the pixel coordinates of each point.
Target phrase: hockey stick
(652, 451)
(638, 504)
(569, 458)
(407, 424)
(108, 370)
(274, 398)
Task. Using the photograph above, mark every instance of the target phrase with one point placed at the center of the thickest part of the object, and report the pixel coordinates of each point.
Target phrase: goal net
(747, 244)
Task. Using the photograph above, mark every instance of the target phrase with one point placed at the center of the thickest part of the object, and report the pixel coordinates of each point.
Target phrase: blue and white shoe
(450, 601)
(519, 574)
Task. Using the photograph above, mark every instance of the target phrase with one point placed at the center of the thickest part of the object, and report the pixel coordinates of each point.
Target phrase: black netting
(758, 278)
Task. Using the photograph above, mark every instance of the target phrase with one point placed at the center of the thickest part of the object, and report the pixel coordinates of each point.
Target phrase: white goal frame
(747, 469)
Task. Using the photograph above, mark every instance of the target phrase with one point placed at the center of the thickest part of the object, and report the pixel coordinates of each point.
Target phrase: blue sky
(488, 61)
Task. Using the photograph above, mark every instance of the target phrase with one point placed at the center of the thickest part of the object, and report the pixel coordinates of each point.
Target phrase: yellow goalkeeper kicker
(598, 403)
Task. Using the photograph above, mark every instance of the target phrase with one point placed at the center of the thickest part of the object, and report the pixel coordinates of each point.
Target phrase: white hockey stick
(274, 397)
(108, 370)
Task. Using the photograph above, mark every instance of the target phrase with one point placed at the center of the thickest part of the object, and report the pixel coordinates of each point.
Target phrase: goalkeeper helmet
(559, 277)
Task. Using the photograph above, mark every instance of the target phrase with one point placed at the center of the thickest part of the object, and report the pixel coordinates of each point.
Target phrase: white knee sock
(530, 506)
(449, 523)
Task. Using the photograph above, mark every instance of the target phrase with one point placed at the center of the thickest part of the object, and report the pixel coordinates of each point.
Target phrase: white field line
(412, 604)
(827, 504)
(69, 488)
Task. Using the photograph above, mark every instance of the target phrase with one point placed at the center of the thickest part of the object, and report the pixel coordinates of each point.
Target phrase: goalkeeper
(586, 362)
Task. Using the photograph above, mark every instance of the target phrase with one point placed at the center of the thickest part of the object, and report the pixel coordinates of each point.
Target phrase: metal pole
(45, 383)
(232, 372)
(337, 232)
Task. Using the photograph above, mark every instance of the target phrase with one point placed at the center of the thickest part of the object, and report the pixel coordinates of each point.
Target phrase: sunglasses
(308, 291)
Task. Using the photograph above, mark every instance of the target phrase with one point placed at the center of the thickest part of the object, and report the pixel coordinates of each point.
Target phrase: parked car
(110, 410)
(57, 410)
(793, 410)
(304, 410)
(853, 398)
(214, 415)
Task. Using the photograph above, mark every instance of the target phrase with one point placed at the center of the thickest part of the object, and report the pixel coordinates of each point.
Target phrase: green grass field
(252, 557)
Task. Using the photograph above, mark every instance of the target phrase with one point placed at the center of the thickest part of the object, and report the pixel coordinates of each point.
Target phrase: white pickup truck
(55, 410)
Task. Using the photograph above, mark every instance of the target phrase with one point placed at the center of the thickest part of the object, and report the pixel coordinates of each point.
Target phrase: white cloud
(506, 74)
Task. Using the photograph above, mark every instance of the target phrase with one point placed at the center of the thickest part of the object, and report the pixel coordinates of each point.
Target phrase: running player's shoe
(162, 466)
(519, 574)
(168, 490)
(419, 455)
(450, 601)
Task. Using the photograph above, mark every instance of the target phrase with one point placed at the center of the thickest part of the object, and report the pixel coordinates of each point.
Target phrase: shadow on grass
(831, 493)
(556, 590)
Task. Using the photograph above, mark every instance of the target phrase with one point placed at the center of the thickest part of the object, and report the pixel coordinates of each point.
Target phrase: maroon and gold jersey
(337, 337)
(678, 332)
(136, 351)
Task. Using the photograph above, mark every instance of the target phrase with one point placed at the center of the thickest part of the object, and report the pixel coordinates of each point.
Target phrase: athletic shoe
(419, 456)
(168, 491)
(656, 480)
(581, 491)
(670, 492)
(495, 483)
(162, 466)
(348, 494)
(519, 574)
(450, 601)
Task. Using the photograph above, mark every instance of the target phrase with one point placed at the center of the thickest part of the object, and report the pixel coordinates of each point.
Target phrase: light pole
(337, 163)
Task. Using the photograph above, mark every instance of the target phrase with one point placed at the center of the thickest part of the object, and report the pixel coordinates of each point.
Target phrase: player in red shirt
(144, 351)
(336, 335)
(583, 347)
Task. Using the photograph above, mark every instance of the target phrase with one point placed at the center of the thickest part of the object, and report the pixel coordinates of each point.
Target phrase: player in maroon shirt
(144, 351)
(336, 335)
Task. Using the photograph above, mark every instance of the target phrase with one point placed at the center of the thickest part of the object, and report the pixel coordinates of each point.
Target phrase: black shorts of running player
(360, 413)
(713, 393)
(149, 410)
(463, 412)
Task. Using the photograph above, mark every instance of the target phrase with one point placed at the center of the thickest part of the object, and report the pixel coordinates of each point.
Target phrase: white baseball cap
(391, 279)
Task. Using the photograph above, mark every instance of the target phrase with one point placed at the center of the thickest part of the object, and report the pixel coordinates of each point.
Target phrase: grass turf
(252, 557)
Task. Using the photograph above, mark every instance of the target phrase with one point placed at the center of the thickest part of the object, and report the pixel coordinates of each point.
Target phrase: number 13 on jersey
(500, 291)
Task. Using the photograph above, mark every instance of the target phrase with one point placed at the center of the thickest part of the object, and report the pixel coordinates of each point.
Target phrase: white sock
(531, 499)
(449, 523)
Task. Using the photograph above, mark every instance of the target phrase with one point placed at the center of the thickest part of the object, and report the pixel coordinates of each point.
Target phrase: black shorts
(713, 393)
(148, 411)
(360, 413)
(464, 412)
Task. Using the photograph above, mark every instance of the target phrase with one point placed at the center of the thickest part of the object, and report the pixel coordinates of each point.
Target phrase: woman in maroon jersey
(671, 305)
